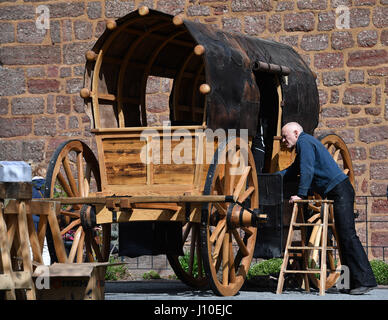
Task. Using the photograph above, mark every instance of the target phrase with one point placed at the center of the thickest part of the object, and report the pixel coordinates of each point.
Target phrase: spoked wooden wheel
(189, 268)
(340, 153)
(228, 232)
(74, 172)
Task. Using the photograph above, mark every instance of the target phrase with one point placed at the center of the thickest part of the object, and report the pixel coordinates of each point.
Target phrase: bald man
(318, 172)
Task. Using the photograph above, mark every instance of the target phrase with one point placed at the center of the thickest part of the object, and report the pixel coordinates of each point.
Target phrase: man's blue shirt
(317, 168)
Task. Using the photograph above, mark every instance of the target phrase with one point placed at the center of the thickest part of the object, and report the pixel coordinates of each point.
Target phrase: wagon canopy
(140, 45)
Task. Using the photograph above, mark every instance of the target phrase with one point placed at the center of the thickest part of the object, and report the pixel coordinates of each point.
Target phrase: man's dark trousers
(352, 253)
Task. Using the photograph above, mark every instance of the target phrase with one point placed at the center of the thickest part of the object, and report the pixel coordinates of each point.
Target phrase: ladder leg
(286, 254)
(322, 288)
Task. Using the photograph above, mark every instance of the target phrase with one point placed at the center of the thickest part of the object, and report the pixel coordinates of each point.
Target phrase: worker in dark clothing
(319, 173)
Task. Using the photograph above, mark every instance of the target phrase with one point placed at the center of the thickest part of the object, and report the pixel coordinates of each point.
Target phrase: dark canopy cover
(234, 99)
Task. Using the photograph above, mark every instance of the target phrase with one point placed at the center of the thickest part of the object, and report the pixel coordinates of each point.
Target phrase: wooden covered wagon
(156, 180)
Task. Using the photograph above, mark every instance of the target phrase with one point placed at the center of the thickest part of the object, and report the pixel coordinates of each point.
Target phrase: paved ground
(176, 290)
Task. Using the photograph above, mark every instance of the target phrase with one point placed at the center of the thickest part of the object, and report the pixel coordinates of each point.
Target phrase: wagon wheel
(228, 239)
(190, 272)
(74, 172)
(340, 153)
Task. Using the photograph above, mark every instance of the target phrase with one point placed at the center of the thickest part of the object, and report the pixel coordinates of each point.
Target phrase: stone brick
(380, 17)
(312, 4)
(358, 122)
(67, 30)
(373, 134)
(289, 40)
(336, 3)
(379, 171)
(359, 169)
(36, 72)
(379, 206)
(43, 85)
(275, 23)
(11, 150)
(333, 78)
(335, 112)
(3, 106)
(377, 189)
(45, 126)
(78, 104)
(364, 2)
(328, 60)
(172, 7)
(231, 24)
(359, 17)
(323, 96)
(336, 123)
(157, 102)
(357, 153)
(66, 9)
(220, 9)
(14, 127)
(198, 10)
(250, 5)
(63, 104)
(12, 81)
(284, 5)
(356, 76)
(22, 55)
(302, 21)
(373, 111)
(52, 71)
(381, 72)
(384, 37)
(18, 12)
(27, 32)
(7, 33)
(74, 85)
(94, 10)
(357, 95)
(254, 25)
(73, 123)
(83, 30)
(74, 53)
(33, 150)
(334, 96)
(118, 8)
(379, 152)
(326, 21)
(367, 58)
(367, 38)
(314, 42)
(28, 105)
(341, 40)
(55, 32)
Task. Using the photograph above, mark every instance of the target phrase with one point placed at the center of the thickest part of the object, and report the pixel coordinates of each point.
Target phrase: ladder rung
(311, 248)
(298, 224)
(302, 271)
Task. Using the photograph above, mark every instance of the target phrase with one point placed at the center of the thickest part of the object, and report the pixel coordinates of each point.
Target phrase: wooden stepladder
(307, 247)
(21, 244)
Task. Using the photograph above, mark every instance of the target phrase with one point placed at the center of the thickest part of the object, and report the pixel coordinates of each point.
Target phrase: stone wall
(343, 41)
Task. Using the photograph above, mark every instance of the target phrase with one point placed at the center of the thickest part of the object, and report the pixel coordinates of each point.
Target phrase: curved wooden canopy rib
(161, 37)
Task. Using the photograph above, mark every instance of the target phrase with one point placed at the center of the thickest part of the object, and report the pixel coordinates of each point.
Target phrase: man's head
(290, 133)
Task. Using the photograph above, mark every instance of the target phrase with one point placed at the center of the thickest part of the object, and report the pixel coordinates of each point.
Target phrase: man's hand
(293, 198)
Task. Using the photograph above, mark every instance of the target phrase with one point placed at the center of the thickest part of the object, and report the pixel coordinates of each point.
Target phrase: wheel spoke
(65, 185)
(74, 246)
(246, 194)
(70, 177)
(242, 182)
(70, 226)
(220, 227)
(240, 243)
(81, 177)
(80, 249)
(225, 259)
(218, 244)
(232, 272)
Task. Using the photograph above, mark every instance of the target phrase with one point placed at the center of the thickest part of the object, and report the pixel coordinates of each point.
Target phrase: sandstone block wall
(343, 41)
